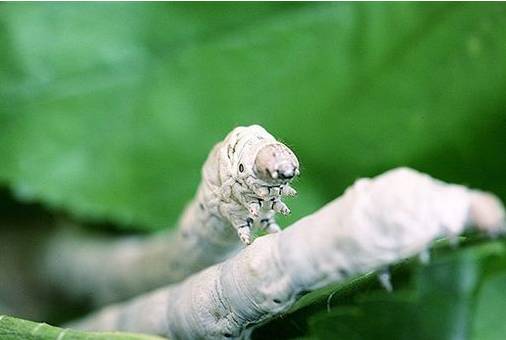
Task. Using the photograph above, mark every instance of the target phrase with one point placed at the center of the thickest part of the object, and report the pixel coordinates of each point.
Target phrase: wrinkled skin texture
(376, 222)
(227, 198)
(244, 179)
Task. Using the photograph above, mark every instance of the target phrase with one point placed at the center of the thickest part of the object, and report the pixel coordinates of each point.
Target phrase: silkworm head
(276, 163)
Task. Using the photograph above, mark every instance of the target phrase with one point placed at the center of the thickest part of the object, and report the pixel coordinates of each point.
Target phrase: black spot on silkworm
(273, 202)
(227, 335)
(201, 206)
(264, 220)
(235, 144)
(269, 187)
(240, 184)
(343, 272)
(229, 150)
(276, 300)
(243, 226)
(249, 220)
(241, 168)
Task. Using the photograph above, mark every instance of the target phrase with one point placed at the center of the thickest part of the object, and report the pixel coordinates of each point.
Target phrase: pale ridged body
(231, 195)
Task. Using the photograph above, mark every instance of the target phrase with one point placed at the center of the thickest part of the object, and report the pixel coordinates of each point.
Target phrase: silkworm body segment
(243, 181)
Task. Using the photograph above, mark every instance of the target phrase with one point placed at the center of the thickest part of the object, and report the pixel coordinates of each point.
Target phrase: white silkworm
(243, 181)
(377, 222)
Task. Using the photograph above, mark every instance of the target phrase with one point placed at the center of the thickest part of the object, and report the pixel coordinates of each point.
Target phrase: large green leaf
(108, 110)
(15, 329)
(489, 318)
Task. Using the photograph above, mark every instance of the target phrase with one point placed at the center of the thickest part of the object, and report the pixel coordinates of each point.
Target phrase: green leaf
(489, 316)
(109, 110)
(14, 329)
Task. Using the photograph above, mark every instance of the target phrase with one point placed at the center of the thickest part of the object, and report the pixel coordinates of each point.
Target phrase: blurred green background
(108, 111)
